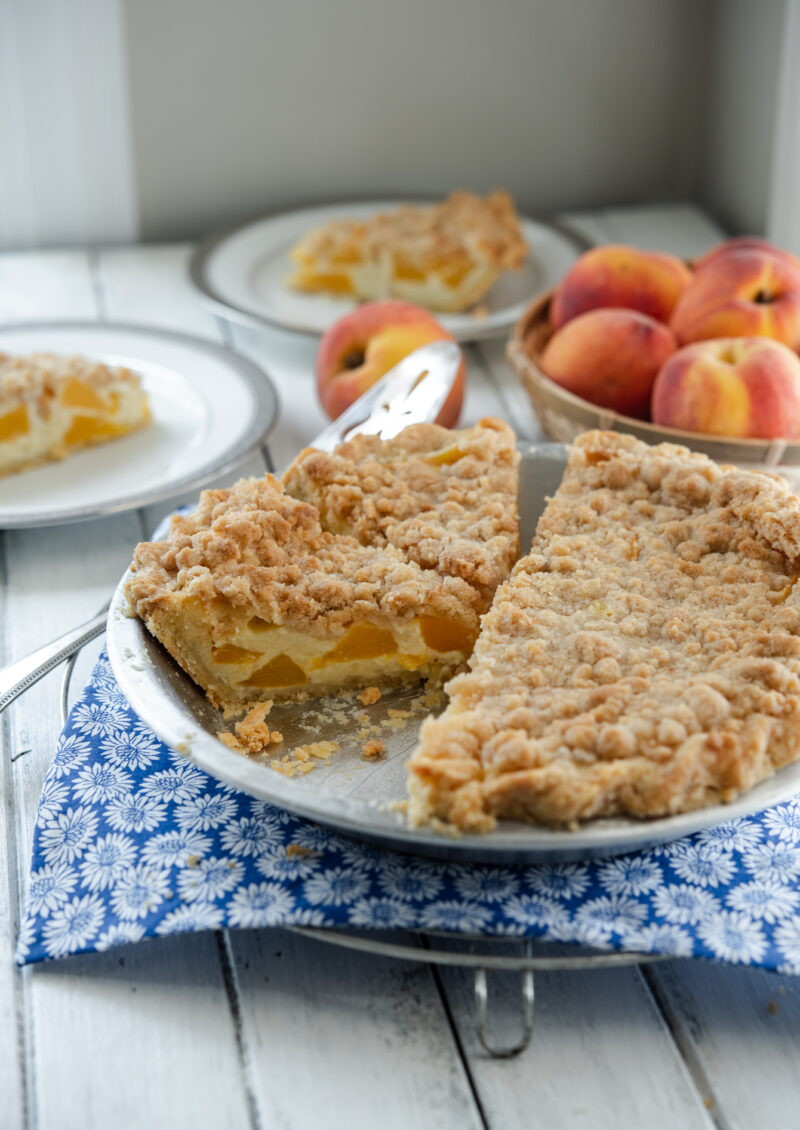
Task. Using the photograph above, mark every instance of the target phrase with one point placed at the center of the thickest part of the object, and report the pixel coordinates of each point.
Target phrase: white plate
(354, 796)
(210, 409)
(242, 272)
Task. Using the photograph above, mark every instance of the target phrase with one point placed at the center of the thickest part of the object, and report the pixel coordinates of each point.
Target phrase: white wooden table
(261, 1029)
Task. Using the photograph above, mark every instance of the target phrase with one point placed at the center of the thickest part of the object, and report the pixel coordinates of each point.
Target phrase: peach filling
(362, 641)
(279, 672)
(446, 635)
(258, 624)
(446, 457)
(15, 423)
(84, 429)
(231, 653)
(333, 281)
(78, 394)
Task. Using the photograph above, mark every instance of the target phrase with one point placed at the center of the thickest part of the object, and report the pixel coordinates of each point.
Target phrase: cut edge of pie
(443, 256)
(254, 600)
(52, 406)
(642, 660)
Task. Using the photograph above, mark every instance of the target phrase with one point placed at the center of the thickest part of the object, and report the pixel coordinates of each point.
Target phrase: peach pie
(443, 256)
(51, 406)
(375, 579)
(643, 659)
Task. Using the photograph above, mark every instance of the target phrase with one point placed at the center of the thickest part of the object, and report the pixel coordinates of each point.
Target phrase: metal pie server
(413, 392)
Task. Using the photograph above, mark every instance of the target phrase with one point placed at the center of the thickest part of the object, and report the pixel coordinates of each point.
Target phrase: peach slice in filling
(78, 394)
(15, 423)
(446, 635)
(281, 671)
(231, 653)
(362, 641)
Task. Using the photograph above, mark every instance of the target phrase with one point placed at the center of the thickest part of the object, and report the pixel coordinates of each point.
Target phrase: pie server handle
(20, 676)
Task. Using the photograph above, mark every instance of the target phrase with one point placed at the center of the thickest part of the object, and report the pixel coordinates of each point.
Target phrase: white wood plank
(151, 1041)
(681, 229)
(55, 578)
(32, 286)
(342, 1041)
(600, 1056)
(739, 1029)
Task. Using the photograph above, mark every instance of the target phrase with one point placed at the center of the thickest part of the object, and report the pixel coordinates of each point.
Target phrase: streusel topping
(447, 500)
(644, 658)
(258, 549)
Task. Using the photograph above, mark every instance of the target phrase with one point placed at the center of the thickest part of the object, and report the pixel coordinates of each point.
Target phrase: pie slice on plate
(447, 500)
(643, 659)
(51, 406)
(443, 256)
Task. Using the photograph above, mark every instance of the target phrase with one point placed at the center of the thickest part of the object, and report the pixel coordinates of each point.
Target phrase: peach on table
(366, 343)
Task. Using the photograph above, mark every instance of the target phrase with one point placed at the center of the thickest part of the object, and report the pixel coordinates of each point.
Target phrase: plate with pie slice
(637, 678)
(470, 260)
(97, 417)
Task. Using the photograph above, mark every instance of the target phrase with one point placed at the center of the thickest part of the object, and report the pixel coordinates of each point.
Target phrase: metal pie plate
(359, 797)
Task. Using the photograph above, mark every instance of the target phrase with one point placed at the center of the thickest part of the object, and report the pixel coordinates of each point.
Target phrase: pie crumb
(373, 749)
(369, 696)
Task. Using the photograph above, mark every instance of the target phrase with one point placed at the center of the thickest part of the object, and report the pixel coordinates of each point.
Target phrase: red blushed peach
(615, 275)
(744, 387)
(609, 357)
(746, 243)
(365, 344)
(741, 293)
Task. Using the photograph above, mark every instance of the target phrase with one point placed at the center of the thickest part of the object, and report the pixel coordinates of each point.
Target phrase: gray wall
(737, 165)
(242, 105)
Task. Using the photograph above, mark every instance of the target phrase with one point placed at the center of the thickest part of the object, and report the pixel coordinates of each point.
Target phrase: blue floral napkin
(132, 840)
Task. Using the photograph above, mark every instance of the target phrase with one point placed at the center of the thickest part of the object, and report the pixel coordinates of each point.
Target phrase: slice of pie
(255, 600)
(642, 659)
(443, 256)
(51, 406)
(446, 499)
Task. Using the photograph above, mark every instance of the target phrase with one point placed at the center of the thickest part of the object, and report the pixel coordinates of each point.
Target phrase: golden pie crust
(643, 659)
(51, 406)
(254, 599)
(444, 256)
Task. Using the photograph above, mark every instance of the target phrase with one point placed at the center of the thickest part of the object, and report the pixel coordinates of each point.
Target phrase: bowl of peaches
(703, 354)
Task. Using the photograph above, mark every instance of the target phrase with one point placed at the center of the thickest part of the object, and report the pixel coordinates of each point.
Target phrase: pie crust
(643, 659)
(444, 256)
(51, 406)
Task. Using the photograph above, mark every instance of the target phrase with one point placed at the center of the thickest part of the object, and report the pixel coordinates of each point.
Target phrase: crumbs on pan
(301, 759)
(369, 696)
(372, 749)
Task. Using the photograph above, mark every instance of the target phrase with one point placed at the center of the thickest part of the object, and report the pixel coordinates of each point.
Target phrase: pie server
(413, 392)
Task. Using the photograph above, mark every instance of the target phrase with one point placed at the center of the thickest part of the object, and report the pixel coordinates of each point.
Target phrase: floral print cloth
(132, 840)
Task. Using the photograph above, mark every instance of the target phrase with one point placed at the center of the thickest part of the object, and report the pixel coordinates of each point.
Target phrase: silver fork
(412, 392)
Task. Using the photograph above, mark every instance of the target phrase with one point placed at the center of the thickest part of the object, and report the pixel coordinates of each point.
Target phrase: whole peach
(741, 293)
(609, 357)
(746, 243)
(616, 275)
(746, 387)
(366, 343)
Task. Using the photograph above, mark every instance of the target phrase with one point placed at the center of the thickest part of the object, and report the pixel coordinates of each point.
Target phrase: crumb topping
(643, 659)
(447, 500)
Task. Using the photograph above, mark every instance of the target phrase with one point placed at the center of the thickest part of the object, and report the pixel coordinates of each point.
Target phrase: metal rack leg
(481, 1010)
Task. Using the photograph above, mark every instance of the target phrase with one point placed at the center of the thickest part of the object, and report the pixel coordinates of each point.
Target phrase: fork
(413, 392)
